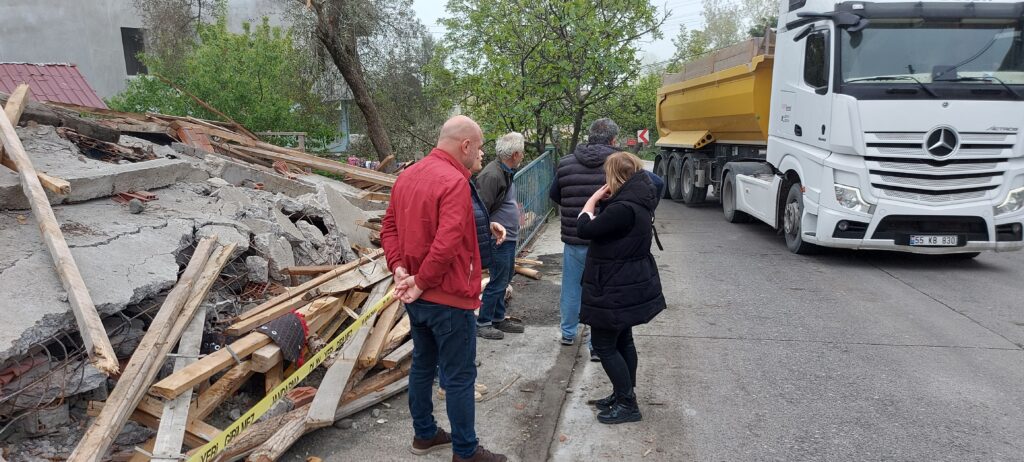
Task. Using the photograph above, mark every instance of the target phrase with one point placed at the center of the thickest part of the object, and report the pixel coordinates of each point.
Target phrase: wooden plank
(321, 412)
(397, 356)
(90, 327)
(309, 270)
(528, 272)
(366, 276)
(266, 358)
(305, 287)
(175, 384)
(171, 434)
(397, 335)
(196, 433)
(371, 351)
(147, 360)
(15, 107)
(529, 262)
(224, 388)
(320, 163)
(273, 377)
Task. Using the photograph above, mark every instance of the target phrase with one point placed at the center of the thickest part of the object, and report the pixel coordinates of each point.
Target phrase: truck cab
(892, 126)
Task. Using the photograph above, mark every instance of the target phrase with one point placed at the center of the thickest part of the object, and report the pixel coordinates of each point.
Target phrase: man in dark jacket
(498, 193)
(579, 175)
(430, 242)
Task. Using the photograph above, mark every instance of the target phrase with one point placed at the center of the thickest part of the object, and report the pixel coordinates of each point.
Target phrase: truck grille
(901, 168)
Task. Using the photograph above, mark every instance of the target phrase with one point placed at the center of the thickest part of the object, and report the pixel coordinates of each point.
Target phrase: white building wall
(88, 33)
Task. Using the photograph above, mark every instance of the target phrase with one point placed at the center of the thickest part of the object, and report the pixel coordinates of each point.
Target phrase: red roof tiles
(60, 83)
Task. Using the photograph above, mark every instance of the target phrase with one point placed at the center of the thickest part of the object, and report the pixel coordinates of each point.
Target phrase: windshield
(979, 52)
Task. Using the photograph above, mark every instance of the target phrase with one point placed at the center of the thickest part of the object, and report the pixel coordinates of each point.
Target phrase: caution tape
(211, 450)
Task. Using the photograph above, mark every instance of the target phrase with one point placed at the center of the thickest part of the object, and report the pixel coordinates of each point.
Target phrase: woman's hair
(620, 167)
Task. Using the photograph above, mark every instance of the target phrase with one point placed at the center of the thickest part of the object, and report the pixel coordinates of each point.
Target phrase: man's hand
(411, 292)
(498, 232)
(401, 286)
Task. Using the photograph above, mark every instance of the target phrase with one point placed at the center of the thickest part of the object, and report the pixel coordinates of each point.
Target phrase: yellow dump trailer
(723, 98)
(713, 112)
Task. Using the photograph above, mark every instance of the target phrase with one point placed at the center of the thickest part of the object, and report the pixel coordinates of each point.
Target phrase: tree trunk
(345, 54)
(577, 127)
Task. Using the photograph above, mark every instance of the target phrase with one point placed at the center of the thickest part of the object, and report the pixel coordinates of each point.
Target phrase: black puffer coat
(483, 227)
(579, 175)
(621, 286)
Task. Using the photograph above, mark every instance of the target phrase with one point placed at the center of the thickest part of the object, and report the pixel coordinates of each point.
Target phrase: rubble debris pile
(202, 248)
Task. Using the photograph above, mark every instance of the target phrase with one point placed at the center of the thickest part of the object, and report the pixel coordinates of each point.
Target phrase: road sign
(642, 136)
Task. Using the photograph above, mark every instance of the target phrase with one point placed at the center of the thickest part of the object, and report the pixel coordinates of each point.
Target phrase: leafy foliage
(539, 67)
(725, 23)
(258, 77)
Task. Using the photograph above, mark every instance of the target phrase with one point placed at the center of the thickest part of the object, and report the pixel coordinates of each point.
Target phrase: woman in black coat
(621, 286)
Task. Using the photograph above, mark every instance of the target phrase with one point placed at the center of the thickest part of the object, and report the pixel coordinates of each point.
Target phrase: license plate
(947, 241)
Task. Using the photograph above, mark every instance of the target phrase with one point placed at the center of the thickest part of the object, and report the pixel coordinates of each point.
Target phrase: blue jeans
(443, 336)
(573, 258)
(493, 306)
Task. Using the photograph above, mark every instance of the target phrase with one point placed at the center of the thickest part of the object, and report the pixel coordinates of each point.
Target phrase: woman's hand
(499, 233)
(600, 194)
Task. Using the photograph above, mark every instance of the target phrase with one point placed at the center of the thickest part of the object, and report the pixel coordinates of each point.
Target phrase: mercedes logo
(941, 142)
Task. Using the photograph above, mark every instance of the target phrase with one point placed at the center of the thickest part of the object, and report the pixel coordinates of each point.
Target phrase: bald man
(430, 242)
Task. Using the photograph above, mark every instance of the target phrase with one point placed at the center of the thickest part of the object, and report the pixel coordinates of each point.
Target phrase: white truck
(890, 125)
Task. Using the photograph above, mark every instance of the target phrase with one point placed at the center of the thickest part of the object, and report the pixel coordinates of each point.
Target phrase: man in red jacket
(429, 239)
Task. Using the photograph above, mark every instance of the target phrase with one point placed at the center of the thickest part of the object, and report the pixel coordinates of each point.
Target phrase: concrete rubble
(130, 254)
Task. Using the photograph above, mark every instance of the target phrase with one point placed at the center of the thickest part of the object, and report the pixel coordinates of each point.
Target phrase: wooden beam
(224, 388)
(371, 351)
(148, 414)
(309, 270)
(14, 108)
(320, 163)
(90, 327)
(397, 335)
(174, 418)
(397, 356)
(528, 272)
(367, 275)
(528, 262)
(273, 377)
(147, 360)
(175, 384)
(321, 411)
(380, 380)
(266, 358)
(305, 287)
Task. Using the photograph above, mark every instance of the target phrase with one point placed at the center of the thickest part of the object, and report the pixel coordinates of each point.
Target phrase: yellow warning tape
(211, 450)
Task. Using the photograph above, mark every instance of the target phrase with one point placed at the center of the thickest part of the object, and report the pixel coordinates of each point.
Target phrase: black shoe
(624, 410)
(605, 403)
(489, 333)
(509, 326)
(594, 358)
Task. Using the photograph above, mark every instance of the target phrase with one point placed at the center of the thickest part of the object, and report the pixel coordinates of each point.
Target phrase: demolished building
(139, 192)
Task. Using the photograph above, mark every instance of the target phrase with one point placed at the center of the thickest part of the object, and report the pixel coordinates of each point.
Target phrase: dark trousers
(618, 357)
(503, 263)
(443, 337)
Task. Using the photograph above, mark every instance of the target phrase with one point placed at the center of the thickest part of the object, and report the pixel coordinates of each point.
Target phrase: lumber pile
(354, 328)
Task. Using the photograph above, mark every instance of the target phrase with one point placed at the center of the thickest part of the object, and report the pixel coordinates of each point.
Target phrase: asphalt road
(766, 355)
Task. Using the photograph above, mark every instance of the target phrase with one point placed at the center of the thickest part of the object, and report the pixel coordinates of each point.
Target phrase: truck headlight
(1014, 202)
(850, 197)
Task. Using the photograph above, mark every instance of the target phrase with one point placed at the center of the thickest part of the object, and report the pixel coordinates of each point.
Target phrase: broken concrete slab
(259, 269)
(277, 251)
(89, 178)
(345, 215)
(123, 259)
(238, 173)
(226, 235)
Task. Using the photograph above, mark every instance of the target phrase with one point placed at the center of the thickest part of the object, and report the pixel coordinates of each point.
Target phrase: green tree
(538, 66)
(632, 108)
(258, 77)
(689, 45)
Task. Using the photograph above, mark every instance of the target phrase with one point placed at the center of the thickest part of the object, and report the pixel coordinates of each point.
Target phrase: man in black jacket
(498, 193)
(579, 175)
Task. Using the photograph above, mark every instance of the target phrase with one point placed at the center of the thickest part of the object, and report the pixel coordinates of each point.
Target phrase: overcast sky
(682, 12)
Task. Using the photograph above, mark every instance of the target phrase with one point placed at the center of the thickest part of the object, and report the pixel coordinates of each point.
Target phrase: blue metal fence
(532, 185)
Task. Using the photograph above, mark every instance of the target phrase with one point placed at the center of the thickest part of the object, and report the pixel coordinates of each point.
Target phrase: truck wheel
(691, 193)
(728, 195)
(661, 169)
(792, 219)
(675, 189)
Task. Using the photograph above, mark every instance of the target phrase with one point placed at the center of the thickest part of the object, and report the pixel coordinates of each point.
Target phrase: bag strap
(656, 238)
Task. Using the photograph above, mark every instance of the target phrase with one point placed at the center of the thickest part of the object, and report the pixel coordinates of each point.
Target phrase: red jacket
(429, 230)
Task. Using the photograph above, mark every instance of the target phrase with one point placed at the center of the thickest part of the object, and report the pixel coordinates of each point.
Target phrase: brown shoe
(481, 455)
(442, 440)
